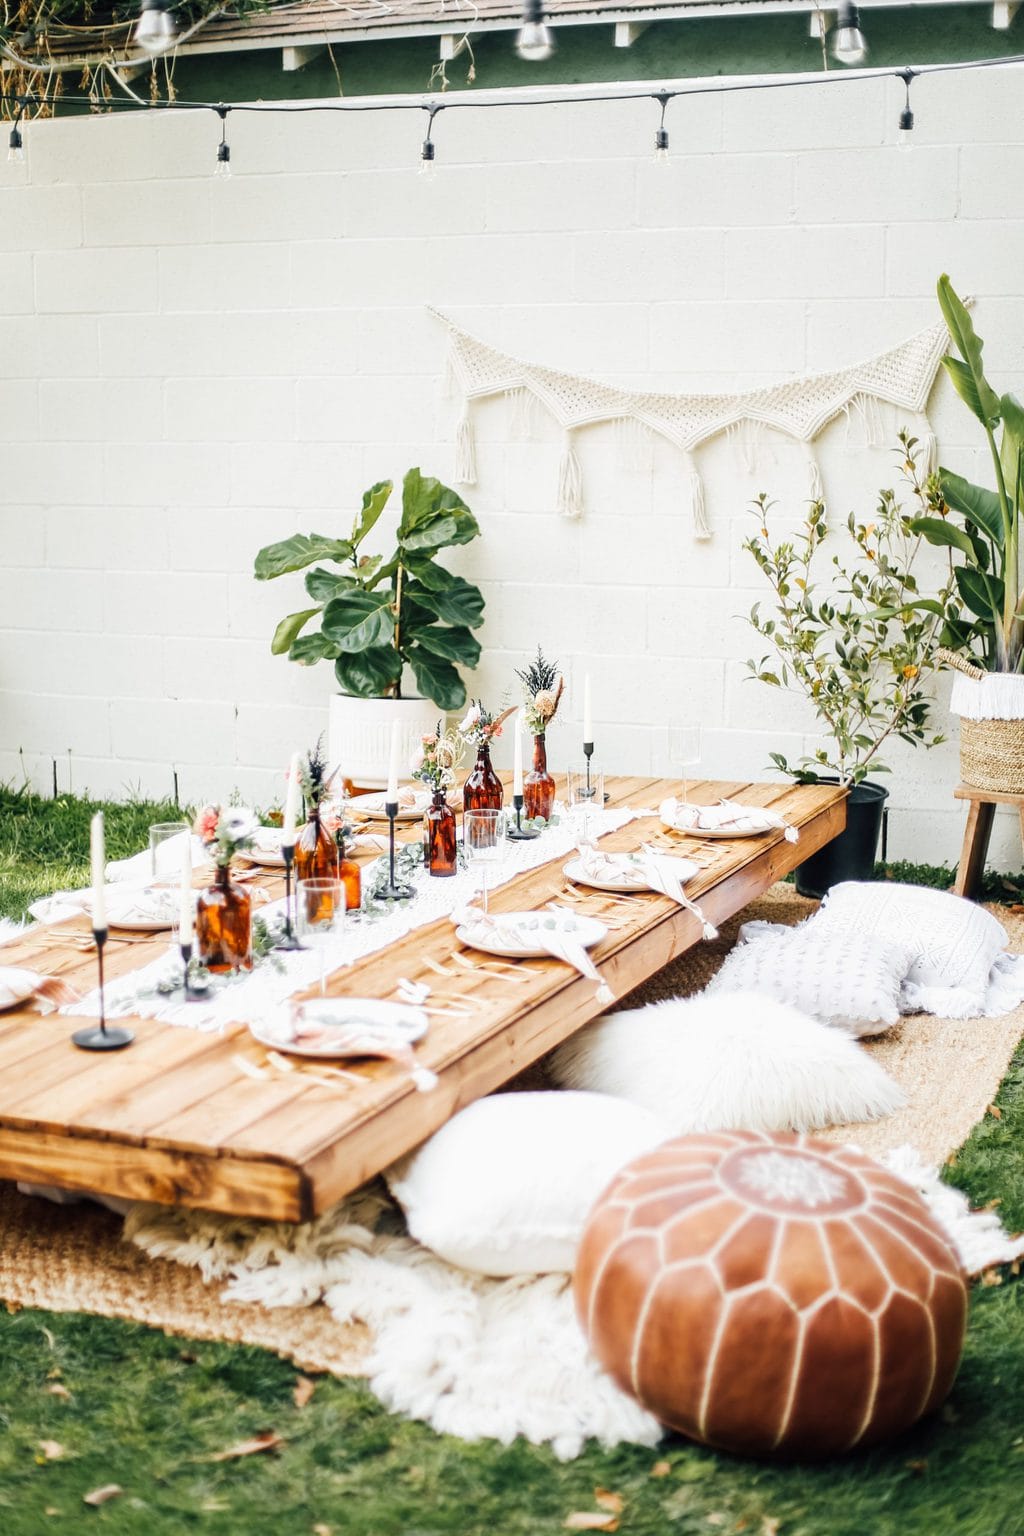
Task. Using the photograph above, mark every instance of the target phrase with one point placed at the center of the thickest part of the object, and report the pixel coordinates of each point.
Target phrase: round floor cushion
(771, 1294)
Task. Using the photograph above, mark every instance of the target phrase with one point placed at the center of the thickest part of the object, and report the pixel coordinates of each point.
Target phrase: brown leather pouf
(771, 1295)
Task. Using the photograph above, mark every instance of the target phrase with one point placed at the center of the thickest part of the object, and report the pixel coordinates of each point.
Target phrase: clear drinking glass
(687, 752)
(166, 855)
(320, 918)
(585, 795)
(483, 838)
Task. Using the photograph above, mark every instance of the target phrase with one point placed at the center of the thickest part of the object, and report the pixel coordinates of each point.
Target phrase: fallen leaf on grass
(661, 1469)
(52, 1450)
(57, 1389)
(995, 1111)
(303, 1391)
(769, 1526)
(589, 1520)
(102, 1495)
(608, 1500)
(991, 1277)
(214, 1506)
(323, 1530)
(266, 1440)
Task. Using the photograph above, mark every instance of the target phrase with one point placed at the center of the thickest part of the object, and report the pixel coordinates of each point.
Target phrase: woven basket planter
(991, 710)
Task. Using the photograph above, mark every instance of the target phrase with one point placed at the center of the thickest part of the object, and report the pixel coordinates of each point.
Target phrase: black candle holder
(289, 941)
(99, 1037)
(193, 994)
(519, 833)
(393, 891)
(590, 789)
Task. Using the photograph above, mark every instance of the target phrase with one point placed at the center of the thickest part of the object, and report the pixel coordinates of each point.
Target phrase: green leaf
(358, 620)
(436, 678)
(983, 597)
(440, 532)
(296, 553)
(1012, 443)
(938, 531)
(458, 644)
(426, 570)
(322, 584)
(369, 674)
(433, 515)
(287, 630)
(978, 505)
(310, 648)
(968, 377)
(458, 603)
(374, 502)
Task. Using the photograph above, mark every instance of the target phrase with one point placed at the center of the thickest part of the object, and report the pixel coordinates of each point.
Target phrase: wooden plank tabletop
(175, 1119)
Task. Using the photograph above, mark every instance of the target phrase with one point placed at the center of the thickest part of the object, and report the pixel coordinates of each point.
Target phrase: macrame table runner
(273, 982)
(798, 408)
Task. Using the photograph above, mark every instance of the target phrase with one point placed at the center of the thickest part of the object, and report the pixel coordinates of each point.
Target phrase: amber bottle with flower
(223, 941)
(542, 692)
(316, 850)
(437, 758)
(482, 790)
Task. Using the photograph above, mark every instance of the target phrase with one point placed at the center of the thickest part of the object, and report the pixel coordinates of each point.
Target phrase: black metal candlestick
(289, 941)
(393, 891)
(101, 1038)
(588, 752)
(192, 994)
(519, 833)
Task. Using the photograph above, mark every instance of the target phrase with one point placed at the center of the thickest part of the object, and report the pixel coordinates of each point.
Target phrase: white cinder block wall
(190, 368)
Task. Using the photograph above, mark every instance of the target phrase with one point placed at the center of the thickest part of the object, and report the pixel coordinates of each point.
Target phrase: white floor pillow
(505, 1187)
(959, 967)
(735, 1061)
(848, 979)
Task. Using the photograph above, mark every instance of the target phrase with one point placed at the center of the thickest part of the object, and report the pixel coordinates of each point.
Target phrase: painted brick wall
(193, 368)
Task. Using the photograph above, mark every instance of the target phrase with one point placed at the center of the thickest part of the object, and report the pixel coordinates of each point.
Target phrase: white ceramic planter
(359, 738)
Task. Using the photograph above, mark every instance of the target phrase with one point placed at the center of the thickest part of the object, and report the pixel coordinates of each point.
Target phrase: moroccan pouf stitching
(772, 1295)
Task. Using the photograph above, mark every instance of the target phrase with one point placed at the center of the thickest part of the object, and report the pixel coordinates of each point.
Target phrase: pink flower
(206, 823)
(429, 739)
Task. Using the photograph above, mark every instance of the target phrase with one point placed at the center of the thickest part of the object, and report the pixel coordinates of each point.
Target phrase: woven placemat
(72, 1258)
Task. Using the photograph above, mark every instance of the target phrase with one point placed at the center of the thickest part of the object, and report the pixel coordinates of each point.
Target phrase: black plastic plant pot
(851, 855)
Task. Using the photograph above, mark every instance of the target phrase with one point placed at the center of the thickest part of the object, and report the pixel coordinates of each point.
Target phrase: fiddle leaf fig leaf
(357, 620)
(296, 553)
(289, 627)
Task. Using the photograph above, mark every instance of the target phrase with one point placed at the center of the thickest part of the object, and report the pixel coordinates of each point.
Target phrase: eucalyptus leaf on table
(378, 615)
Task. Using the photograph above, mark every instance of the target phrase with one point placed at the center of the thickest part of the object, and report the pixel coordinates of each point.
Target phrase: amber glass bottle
(439, 836)
(351, 878)
(224, 925)
(539, 786)
(316, 852)
(482, 790)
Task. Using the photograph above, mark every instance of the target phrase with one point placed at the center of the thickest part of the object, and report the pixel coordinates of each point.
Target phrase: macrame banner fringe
(814, 485)
(465, 450)
(570, 481)
(927, 448)
(524, 413)
(698, 509)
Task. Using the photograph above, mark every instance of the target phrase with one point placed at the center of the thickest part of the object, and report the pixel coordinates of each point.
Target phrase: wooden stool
(982, 809)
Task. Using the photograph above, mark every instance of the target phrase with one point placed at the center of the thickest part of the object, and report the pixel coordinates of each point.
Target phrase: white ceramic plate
(396, 1021)
(717, 832)
(631, 880)
(16, 985)
(266, 848)
(516, 939)
(373, 805)
(145, 912)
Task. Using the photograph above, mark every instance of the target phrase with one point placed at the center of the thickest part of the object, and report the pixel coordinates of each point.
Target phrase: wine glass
(585, 794)
(320, 918)
(687, 753)
(483, 838)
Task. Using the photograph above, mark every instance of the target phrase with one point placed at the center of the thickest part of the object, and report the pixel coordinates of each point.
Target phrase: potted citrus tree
(379, 621)
(857, 639)
(980, 526)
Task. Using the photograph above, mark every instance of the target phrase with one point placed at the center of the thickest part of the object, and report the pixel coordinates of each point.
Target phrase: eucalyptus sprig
(862, 646)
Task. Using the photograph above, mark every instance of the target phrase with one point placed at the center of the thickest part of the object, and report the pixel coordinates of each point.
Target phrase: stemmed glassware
(687, 753)
(320, 918)
(483, 838)
(585, 794)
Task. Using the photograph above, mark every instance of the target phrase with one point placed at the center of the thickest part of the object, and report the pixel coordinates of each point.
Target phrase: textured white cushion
(954, 944)
(735, 1061)
(850, 979)
(506, 1186)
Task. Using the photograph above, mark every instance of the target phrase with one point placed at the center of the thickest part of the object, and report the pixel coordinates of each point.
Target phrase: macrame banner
(798, 408)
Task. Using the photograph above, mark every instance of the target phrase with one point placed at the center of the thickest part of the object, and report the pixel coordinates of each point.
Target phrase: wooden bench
(175, 1119)
(981, 810)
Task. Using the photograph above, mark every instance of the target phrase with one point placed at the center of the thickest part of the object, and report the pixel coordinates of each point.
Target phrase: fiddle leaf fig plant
(378, 615)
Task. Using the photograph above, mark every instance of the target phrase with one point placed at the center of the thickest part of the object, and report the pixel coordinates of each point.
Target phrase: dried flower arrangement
(226, 831)
(542, 690)
(437, 758)
(479, 727)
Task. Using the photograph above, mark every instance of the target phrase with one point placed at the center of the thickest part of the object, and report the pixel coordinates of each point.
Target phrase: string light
(906, 128)
(661, 137)
(15, 145)
(535, 41)
(428, 167)
(849, 44)
(223, 166)
(157, 29)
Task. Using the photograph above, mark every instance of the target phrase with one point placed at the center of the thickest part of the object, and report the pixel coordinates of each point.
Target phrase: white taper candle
(98, 855)
(391, 797)
(291, 803)
(517, 758)
(186, 910)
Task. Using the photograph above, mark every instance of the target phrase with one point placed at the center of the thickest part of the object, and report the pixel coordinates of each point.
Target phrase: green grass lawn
(117, 1403)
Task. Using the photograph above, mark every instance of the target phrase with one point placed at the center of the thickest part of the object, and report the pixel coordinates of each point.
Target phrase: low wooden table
(174, 1118)
(981, 809)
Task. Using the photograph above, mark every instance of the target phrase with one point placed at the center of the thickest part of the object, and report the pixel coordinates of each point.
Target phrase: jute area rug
(73, 1259)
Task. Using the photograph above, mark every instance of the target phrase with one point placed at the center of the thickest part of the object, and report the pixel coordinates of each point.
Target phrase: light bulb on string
(661, 136)
(849, 44)
(905, 137)
(223, 167)
(15, 147)
(428, 163)
(157, 29)
(535, 41)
